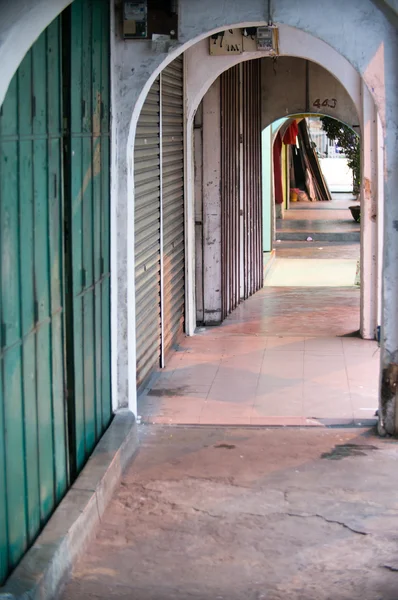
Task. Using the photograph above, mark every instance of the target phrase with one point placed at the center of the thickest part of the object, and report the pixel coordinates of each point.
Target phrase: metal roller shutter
(147, 235)
(230, 194)
(172, 102)
(241, 202)
(251, 176)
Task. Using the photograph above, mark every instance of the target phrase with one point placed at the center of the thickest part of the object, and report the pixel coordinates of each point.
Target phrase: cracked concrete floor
(245, 513)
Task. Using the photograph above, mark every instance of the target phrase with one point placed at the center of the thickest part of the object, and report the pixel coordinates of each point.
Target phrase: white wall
(267, 188)
(212, 205)
(337, 173)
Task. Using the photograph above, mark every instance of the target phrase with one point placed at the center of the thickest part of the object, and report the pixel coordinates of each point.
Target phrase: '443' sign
(329, 102)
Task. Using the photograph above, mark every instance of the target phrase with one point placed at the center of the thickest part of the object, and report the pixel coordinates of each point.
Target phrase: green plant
(349, 142)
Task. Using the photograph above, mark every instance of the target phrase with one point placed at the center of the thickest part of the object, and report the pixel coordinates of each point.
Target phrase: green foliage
(349, 142)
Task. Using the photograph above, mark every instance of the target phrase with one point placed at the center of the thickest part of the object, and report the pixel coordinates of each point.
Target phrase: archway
(315, 242)
(195, 87)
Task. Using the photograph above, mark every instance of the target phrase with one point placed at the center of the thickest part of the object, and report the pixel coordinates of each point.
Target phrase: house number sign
(330, 102)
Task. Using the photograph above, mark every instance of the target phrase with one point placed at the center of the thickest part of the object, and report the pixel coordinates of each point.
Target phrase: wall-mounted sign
(226, 42)
(251, 39)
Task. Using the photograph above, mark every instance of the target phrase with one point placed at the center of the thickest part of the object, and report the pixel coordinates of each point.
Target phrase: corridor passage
(286, 356)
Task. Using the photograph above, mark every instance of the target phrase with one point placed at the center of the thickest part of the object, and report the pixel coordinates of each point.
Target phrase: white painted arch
(201, 71)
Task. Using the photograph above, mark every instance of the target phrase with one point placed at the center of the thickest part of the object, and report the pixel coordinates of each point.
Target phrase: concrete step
(320, 236)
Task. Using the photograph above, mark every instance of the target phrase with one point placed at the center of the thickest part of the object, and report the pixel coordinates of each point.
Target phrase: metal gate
(54, 270)
(241, 203)
(147, 235)
(172, 193)
(230, 190)
(251, 176)
(159, 221)
(87, 101)
(33, 458)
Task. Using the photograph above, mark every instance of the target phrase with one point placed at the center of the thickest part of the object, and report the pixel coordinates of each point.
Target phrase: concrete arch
(21, 23)
(290, 118)
(203, 70)
(293, 42)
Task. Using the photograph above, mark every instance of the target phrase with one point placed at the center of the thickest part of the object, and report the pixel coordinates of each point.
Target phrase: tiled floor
(326, 272)
(279, 359)
(265, 380)
(340, 201)
(286, 356)
(327, 225)
(313, 250)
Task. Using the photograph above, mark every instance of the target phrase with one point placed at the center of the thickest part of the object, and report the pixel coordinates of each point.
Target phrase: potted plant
(349, 142)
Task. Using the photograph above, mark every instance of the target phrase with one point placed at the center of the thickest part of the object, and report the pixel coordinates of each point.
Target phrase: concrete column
(190, 300)
(198, 160)
(380, 215)
(212, 205)
(369, 217)
(388, 408)
(266, 162)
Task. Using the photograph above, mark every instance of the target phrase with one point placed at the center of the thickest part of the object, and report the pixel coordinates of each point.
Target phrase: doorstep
(47, 564)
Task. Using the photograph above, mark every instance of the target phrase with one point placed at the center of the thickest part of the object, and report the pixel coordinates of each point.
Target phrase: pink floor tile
(288, 344)
(278, 360)
(281, 421)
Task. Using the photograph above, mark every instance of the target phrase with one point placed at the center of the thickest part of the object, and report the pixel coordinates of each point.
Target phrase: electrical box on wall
(268, 39)
(150, 19)
(248, 39)
(135, 20)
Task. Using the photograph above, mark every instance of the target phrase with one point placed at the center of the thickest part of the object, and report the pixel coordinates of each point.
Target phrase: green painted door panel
(33, 459)
(89, 221)
(54, 270)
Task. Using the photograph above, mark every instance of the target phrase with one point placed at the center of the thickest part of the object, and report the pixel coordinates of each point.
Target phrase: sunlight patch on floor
(291, 272)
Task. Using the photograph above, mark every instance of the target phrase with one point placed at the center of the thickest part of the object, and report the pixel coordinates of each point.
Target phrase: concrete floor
(229, 514)
(303, 249)
(340, 201)
(327, 221)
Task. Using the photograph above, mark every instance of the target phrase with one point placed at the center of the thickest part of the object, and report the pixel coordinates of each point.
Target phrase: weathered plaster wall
(291, 86)
(212, 205)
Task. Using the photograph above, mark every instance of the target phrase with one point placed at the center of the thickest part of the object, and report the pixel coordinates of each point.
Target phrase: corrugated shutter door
(88, 208)
(241, 202)
(147, 235)
(173, 202)
(251, 175)
(230, 195)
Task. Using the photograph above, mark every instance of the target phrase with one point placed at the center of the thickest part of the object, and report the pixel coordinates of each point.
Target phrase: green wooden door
(33, 457)
(55, 397)
(87, 152)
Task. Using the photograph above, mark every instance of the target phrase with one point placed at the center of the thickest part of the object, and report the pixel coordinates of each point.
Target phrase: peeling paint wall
(295, 86)
(212, 205)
